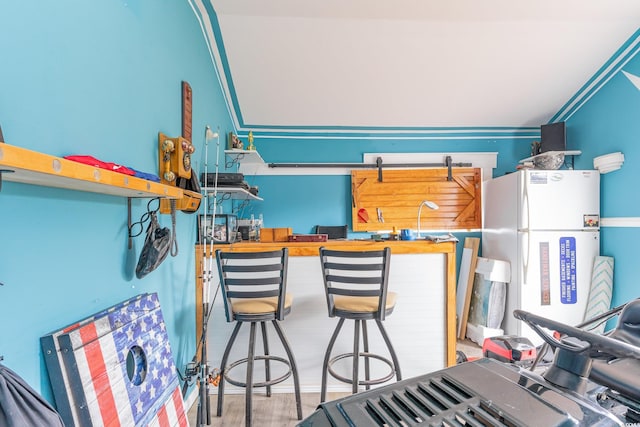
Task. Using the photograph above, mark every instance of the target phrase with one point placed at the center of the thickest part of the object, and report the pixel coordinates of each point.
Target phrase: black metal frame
(339, 270)
(266, 278)
(448, 163)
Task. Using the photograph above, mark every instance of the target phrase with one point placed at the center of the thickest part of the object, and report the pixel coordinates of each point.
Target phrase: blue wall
(607, 123)
(306, 201)
(103, 78)
(98, 78)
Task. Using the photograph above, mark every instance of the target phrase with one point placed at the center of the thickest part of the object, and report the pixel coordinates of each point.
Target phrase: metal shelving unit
(236, 157)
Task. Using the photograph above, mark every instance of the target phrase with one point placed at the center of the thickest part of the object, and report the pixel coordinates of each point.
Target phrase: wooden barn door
(394, 201)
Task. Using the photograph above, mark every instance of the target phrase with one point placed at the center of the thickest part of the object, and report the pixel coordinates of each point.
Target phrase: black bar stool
(254, 288)
(356, 288)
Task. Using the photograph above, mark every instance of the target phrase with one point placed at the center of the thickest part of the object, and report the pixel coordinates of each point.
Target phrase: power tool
(509, 349)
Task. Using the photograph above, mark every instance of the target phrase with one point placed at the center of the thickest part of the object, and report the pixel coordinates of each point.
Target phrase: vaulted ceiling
(410, 64)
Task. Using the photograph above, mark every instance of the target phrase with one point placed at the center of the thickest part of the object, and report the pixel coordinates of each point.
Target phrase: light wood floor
(279, 410)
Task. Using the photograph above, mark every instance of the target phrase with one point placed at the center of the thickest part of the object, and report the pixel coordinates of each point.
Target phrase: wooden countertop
(311, 248)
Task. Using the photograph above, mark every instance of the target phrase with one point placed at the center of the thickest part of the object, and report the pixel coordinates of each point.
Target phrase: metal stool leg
(294, 367)
(365, 343)
(356, 356)
(391, 350)
(327, 356)
(267, 365)
(223, 365)
(249, 388)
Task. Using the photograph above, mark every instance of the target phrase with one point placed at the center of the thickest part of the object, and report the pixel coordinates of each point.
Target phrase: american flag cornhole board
(56, 369)
(116, 368)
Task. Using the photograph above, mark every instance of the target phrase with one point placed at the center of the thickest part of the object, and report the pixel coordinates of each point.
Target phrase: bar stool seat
(260, 305)
(253, 287)
(356, 285)
(362, 304)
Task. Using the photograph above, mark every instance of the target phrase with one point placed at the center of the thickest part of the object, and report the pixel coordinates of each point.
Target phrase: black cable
(205, 321)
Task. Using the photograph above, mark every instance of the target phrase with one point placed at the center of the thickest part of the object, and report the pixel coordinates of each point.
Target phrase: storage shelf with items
(31, 167)
(550, 160)
(241, 191)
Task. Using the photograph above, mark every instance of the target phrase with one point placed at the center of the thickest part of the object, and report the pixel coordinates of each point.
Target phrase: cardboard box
(282, 234)
(275, 234)
(478, 333)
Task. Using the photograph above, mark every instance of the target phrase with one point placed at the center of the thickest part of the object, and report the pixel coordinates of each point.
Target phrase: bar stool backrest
(356, 274)
(253, 275)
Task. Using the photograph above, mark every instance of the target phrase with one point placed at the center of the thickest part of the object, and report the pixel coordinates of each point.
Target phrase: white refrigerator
(546, 224)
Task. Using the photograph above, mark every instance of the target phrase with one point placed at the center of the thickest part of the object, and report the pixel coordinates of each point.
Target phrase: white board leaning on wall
(488, 299)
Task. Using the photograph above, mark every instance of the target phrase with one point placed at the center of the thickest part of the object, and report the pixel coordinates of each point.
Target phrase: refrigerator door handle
(525, 202)
(526, 250)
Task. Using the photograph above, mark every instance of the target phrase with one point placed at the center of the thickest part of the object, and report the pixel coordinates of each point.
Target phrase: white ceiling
(304, 64)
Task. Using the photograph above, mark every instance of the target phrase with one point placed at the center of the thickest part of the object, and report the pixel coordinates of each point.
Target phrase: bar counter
(310, 249)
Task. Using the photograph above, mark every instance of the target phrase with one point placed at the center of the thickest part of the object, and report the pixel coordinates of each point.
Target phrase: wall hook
(4, 171)
(130, 243)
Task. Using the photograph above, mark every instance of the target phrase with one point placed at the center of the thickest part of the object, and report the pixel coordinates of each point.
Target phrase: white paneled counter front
(421, 328)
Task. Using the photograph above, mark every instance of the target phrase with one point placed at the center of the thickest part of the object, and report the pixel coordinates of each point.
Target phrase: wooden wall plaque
(187, 111)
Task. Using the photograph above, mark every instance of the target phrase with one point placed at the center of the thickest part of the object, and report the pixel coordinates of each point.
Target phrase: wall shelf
(31, 167)
(549, 153)
(235, 193)
(237, 157)
(244, 156)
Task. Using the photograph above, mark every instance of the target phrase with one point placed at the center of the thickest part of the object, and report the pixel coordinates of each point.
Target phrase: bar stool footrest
(261, 384)
(361, 382)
